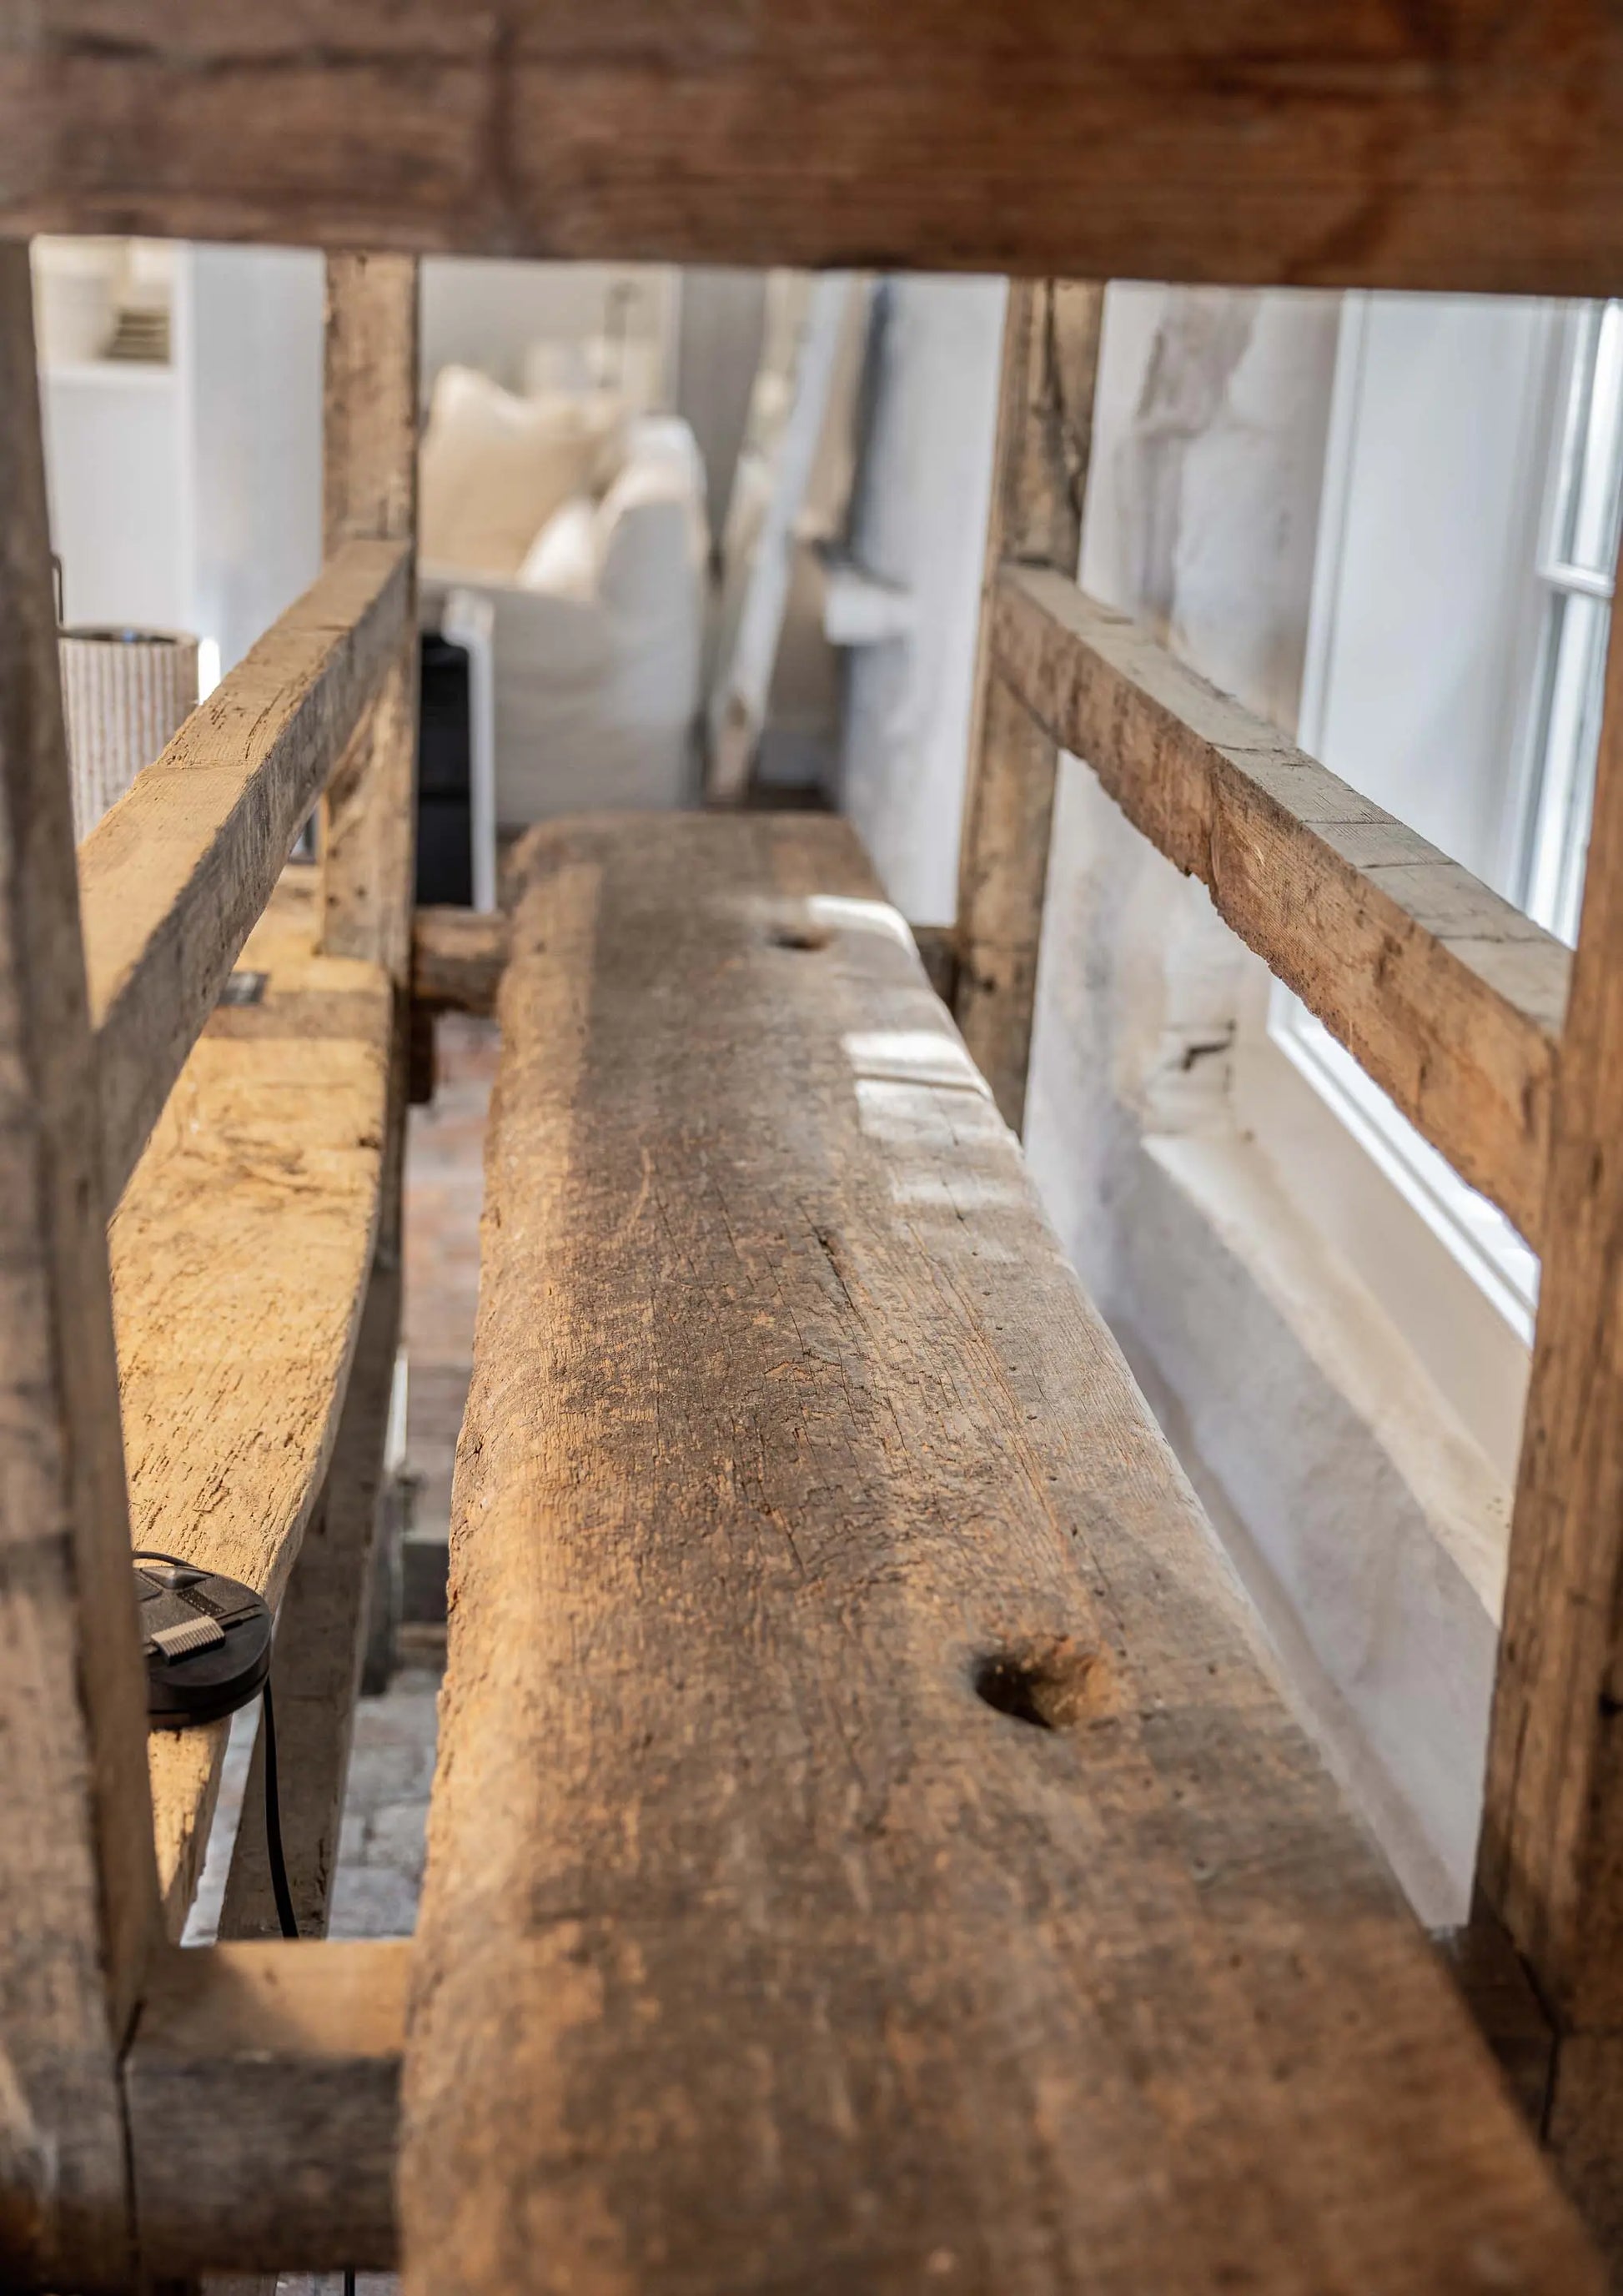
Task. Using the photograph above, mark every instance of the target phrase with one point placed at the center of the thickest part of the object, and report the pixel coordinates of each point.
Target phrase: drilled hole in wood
(800, 936)
(1050, 1686)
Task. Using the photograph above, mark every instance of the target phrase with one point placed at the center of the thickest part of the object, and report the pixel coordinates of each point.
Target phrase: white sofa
(598, 630)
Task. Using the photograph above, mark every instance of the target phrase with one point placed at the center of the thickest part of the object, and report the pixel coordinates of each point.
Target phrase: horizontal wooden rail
(1478, 146)
(458, 957)
(240, 1255)
(172, 879)
(263, 2091)
(1451, 998)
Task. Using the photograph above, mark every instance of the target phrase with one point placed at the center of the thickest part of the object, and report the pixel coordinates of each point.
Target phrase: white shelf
(139, 375)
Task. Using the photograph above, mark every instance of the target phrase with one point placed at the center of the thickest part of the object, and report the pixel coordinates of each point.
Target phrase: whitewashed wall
(486, 312)
(919, 521)
(249, 347)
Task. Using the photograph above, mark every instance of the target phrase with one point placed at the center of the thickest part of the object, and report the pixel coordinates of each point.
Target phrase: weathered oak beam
(1451, 998)
(458, 957)
(865, 1845)
(263, 2088)
(1478, 147)
(368, 495)
(78, 1895)
(1039, 478)
(369, 833)
(316, 1670)
(172, 879)
(239, 1258)
(1551, 1864)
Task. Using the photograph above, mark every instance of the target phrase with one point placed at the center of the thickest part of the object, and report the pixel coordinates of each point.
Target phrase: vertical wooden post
(320, 1635)
(1551, 1864)
(1044, 436)
(78, 1880)
(370, 491)
(368, 856)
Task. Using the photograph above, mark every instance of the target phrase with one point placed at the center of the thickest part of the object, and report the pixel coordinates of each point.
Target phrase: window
(1453, 670)
(1576, 563)
(1475, 469)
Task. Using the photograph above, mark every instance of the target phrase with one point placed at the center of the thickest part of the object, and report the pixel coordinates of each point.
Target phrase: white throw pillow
(496, 467)
(563, 559)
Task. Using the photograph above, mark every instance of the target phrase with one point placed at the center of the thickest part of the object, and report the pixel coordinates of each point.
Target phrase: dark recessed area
(1050, 1686)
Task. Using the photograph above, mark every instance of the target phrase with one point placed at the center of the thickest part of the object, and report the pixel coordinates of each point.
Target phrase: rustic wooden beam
(240, 1258)
(1045, 440)
(865, 1844)
(315, 1671)
(1451, 998)
(78, 1895)
(458, 957)
(370, 494)
(172, 877)
(1494, 1981)
(263, 2088)
(1344, 143)
(368, 883)
(1552, 1848)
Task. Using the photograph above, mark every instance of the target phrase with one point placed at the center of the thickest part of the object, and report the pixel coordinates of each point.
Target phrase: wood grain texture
(866, 1850)
(1451, 998)
(172, 877)
(1039, 480)
(1494, 1981)
(457, 959)
(369, 464)
(1476, 145)
(78, 1899)
(316, 1670)
(264, 2107)
(369, 409)
(239, 1255)
(1552, 1846)
(1585, 2115)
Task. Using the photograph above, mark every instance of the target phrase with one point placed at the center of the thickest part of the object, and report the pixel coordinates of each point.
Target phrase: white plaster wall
(1360, 1515)
(718, 349)
(250, 356)
(1429, 608)
(918, 520)
(114, 468)
(486, 311)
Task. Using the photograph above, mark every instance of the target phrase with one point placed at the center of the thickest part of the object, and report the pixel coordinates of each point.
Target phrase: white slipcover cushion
(496, 467)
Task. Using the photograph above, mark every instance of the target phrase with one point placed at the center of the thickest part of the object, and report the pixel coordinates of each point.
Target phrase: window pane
(1570, 725)
(1593, 463)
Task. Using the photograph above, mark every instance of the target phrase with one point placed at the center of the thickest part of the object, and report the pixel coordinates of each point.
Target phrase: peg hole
(1048, 1685)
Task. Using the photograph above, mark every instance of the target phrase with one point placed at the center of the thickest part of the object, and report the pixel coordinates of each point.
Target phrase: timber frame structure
(1204, 2045)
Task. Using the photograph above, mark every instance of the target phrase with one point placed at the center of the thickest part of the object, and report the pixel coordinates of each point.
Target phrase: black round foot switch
(207, 1639)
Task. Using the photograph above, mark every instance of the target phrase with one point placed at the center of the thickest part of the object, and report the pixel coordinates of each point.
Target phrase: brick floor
(444, 1190)
(444, 1185)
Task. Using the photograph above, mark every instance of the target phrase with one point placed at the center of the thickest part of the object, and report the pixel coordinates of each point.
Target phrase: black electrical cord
(272, 1825)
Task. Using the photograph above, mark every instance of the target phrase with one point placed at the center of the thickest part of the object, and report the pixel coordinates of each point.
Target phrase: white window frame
(1444, 1262)
(1388, 1199)
(1576, 571)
